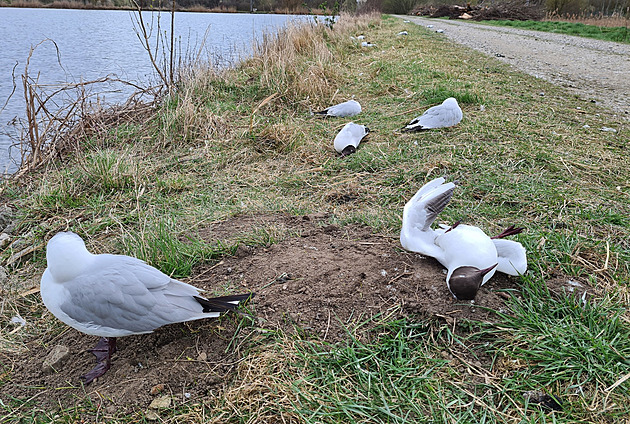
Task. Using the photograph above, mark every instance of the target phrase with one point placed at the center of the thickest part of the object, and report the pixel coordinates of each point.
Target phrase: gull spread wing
(420, 212)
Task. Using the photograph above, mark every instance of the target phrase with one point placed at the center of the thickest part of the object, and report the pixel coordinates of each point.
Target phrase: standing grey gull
(115, 295)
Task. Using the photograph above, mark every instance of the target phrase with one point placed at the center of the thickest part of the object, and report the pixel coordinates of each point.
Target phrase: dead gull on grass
(447, 114)
(470, 256)
(348, 139)
(342, 110)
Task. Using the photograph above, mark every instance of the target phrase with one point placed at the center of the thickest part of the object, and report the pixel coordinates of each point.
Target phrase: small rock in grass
(55, 359)
(3, 276)
(161, 402)
(6, 216)
(151, 416)
(158, 388)
(544, 400)
(4, 240)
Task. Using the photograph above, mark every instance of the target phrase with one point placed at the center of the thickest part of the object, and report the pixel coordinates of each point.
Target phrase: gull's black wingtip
(223, 303)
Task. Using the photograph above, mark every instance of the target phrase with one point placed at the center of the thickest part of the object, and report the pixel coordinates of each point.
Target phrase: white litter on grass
(18, 320)
(607, 129)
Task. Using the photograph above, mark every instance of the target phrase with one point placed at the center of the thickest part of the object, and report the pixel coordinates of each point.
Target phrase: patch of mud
(319, 277)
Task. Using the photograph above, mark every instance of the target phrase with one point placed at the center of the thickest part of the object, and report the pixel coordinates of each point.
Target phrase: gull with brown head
(470, 256)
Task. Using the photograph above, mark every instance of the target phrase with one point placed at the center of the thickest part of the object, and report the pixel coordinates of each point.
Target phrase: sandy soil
(593, 69)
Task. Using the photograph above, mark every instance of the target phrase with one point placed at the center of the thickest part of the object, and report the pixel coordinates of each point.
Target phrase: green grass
(213, 151)
(411, 370)
(618, 34)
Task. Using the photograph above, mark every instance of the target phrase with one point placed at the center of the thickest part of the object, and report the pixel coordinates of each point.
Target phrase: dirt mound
(318, 277)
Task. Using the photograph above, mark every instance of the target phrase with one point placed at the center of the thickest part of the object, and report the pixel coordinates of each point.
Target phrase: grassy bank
(244, 142)
(620, 34)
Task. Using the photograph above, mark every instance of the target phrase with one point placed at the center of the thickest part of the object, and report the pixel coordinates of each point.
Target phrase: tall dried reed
(598, 19)
(300, 62)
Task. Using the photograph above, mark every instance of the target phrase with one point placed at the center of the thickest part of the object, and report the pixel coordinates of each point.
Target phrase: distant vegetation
(281, 6)
(619, 34)
(557, 7)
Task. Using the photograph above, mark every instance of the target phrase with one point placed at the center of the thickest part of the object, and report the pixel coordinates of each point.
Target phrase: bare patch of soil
(320, 277)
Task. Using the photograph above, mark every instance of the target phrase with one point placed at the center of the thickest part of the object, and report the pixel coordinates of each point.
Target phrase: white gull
(348, 139)
(342, 110)
(447, 114)
(115, 295)
(469, 255)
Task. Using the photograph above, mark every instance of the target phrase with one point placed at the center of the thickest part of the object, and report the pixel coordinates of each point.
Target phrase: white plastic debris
(18, 320)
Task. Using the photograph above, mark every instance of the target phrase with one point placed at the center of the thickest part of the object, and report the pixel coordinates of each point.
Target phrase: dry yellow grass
(614, 20)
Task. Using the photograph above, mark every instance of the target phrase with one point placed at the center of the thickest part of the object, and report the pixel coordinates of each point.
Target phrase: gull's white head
(451, 101)
(66, 256)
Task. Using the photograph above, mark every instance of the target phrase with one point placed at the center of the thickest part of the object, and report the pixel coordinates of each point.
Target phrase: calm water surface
(91, 44)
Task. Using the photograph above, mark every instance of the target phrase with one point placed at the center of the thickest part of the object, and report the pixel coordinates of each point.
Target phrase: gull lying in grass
(114, 295)
(342, 110)
(348, 139)
(403, 33)
(470, 256)
(367, 44)
(445, 115)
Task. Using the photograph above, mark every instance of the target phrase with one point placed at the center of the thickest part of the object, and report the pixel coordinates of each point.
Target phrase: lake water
(91, 44)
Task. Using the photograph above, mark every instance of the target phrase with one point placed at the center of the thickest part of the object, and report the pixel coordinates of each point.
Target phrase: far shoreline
(71, 5)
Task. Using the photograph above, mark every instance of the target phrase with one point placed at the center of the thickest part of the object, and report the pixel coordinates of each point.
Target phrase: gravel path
(598, 70)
